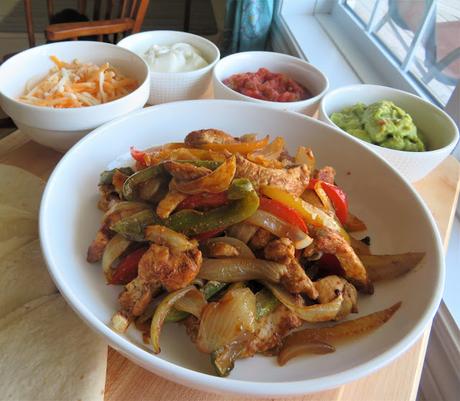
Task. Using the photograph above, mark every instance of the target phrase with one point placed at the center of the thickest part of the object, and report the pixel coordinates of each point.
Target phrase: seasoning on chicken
(326, 174)
(260, 239)
(169, 203)
(293, 180)
(331, 242)
(107, 197)
(185, 171)
(136, 296)
(97, 247)
(221, 250)
(270, 331)
(328, 288)
(296, 280)
(174, 270)
(205, 136)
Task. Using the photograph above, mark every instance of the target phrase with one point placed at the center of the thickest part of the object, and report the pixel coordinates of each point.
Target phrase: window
(364, 41)
(410, 48)
(421, 36)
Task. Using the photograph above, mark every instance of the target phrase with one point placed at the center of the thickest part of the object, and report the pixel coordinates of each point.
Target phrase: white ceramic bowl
(170, 87)
(61, 128)
(69, 218)
(304, 73)
(439, 131)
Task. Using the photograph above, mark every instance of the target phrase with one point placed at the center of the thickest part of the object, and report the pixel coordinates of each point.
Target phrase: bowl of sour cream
(180, 63)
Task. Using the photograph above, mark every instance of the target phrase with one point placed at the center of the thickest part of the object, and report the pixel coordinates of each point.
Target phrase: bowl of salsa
(274, 79)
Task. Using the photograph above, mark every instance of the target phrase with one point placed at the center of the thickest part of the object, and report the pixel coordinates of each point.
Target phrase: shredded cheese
(78, 84)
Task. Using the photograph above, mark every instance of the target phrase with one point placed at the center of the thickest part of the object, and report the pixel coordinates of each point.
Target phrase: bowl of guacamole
(381, 123)
(411, 133)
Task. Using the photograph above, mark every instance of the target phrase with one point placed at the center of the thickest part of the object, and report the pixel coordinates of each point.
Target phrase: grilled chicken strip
(169, 203)
(326, 174)
(271, 330)
(97, 247)
(221, 250)
(205, 136)
(173, 270)
(293, 180)
(185, 171)
(108, 197)
(328, 288)
(260, 239)
(328, 241)
(137, 295)
(296, 280)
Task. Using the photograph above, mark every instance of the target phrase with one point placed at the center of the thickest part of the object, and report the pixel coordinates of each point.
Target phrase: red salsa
(267, 85)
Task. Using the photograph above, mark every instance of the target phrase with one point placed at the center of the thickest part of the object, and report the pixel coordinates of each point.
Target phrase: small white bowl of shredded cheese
(180, 63)
(59, 92)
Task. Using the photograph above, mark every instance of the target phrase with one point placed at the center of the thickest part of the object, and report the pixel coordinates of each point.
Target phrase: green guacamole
(381, 123)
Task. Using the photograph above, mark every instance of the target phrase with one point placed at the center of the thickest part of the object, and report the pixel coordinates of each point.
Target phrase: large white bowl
(439, 131)
(170, 87)
(61, 128)
(304, 73)
(397, 218)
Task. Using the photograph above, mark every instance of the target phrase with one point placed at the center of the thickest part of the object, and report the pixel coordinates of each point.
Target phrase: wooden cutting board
(397, 381)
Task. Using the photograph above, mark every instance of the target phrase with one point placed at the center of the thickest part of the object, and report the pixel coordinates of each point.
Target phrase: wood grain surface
(397, 381)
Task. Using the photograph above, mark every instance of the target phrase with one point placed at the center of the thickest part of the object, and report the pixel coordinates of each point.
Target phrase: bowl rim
(198, 380)
(210, 65)
(96, 107)
(434, 152)
(298, 60)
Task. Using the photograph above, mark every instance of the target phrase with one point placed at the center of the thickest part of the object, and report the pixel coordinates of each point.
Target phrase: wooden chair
(127, 19)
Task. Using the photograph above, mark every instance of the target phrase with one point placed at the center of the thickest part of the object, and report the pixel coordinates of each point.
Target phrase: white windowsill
(311, 42)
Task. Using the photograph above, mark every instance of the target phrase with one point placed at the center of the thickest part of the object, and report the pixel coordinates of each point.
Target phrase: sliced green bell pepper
(130, 186)
(210, 164)
(106, 176)
(191, 222)
(133, 227)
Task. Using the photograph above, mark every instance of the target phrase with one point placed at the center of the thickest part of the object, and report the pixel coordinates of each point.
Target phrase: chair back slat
(82, 6)
(117, 17)
(140, 15)
(109, 5)
(50, 8)
(123, 13)
(97, 10)
(133, 9)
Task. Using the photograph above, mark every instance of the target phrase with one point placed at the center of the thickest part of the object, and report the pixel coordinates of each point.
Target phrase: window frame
(335, 31)
(369, 58)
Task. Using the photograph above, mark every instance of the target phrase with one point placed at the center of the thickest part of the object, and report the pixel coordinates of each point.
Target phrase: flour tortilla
(11, 244)
(24, 277)
(48, 353)
(21, 189)
(20, 195)
(17, 228)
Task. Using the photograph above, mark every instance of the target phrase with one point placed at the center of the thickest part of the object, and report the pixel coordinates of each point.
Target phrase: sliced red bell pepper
(203, 200)
(284, 212)
(209, 234)
(337, 197)
(127, 268)
(139, 156)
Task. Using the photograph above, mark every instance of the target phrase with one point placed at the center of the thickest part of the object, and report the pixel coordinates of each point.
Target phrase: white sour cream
(180, 57)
